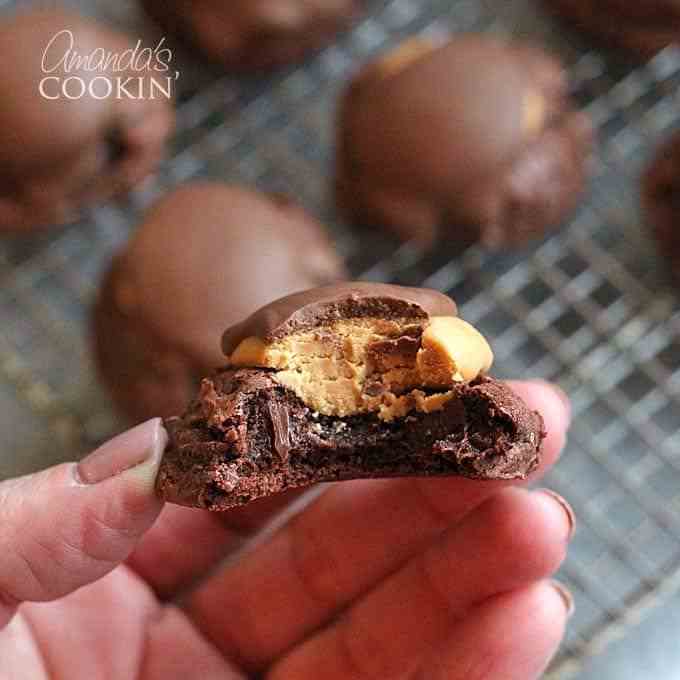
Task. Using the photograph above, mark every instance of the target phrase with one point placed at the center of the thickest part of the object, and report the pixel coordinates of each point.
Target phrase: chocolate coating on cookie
(59, 154)
(473, 140)
(311, 308)
(640, 28)
(206, 256)
(661, 198)
(252, 35)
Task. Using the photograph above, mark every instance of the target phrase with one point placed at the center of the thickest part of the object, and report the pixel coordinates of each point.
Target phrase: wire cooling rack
(591, 307)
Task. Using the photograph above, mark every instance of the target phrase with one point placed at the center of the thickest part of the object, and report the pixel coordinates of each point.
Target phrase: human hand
(410, 578)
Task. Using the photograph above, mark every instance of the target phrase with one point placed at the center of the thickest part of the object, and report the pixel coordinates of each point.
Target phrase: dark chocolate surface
(441, 150)
(355, 299)
(245, 436)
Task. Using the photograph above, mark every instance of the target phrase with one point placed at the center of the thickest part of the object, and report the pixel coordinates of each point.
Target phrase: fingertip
(566, 507)
(556, 516)
(87, 529)
(548, 605)
(532, 525)
(565, 595)
(147, 472)
(513, 635)
(135, 453)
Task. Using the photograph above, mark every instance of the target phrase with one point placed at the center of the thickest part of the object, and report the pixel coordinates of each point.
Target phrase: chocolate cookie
(252, 35)
(68, 136)
(349, 381)
(206, 255)
(473, 140)
(640, 28)
(661, 198)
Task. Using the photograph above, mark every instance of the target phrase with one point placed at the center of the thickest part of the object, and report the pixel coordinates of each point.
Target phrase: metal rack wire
(591, 307)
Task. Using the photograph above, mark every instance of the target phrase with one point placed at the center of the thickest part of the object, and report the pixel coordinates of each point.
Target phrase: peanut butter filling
(371, 365)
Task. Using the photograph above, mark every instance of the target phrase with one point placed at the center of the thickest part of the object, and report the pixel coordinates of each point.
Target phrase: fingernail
(571, 516)
(143, 443)
(566, 597)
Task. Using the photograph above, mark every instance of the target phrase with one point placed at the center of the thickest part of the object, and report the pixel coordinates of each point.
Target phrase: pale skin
(406, 579)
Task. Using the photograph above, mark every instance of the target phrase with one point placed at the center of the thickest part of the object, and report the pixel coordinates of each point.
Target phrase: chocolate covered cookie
(473, 140)
(69, 135)
(206, 255)
(253, 35)
(661, 198)
(640, 28)
(355, 380)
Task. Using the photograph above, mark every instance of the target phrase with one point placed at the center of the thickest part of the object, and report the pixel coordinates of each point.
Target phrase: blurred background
(592, 307)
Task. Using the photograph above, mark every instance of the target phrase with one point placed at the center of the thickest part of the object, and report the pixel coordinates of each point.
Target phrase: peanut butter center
(370, 365)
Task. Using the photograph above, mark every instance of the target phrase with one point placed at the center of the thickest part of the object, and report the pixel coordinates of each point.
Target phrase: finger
(301, 576)
(515, 538)
(191, 657)
(182, 546)
(185, 544)
(509, 637)
(20, 652)
(121, 630)
(69, 525)
(108, 618)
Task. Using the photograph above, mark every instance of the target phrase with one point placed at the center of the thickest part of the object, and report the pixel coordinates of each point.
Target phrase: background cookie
(475, 140)
(255, 34)
(62, 153)
(207, 255)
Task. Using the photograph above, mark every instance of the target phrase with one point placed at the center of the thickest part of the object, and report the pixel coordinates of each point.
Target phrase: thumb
(68, 526)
